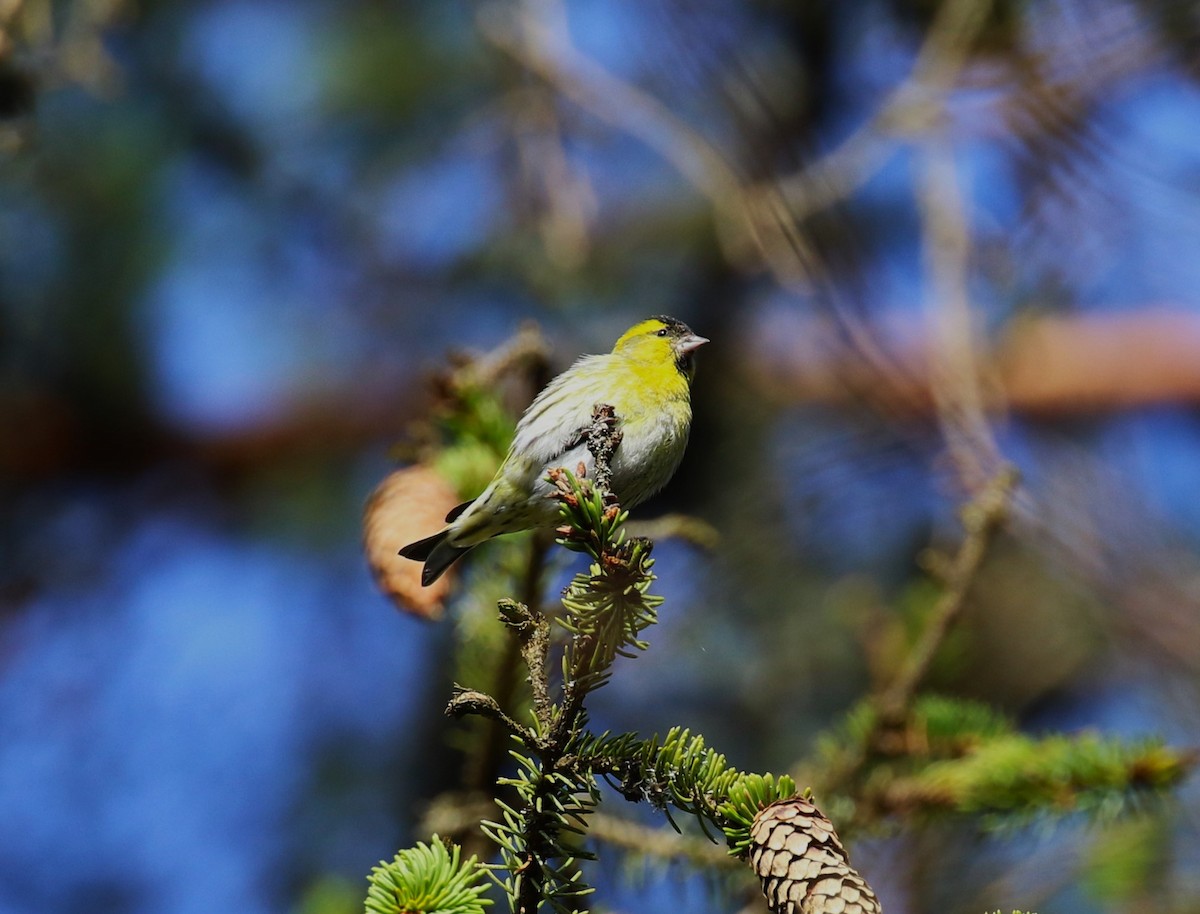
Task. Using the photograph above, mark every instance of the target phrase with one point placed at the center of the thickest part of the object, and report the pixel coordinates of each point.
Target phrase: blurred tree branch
(981, 518)
(757, 222)
(1045, 366)
(955, 378)
(535, 34)
(910, 109)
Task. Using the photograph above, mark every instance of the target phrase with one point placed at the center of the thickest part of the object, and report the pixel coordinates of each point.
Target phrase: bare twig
(561, 196)
(955, 380)
(533, 635)
(981, 518)
(469, 701)
(892, 702)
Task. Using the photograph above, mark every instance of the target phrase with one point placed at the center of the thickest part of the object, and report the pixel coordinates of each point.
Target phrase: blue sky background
(288, 212)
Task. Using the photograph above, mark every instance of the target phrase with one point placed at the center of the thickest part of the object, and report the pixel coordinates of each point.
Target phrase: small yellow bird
(647, 379)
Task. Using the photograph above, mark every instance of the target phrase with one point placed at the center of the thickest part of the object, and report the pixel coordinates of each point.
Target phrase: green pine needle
(746, 797)
(609, 606)
(1017, 774)
(427, 879)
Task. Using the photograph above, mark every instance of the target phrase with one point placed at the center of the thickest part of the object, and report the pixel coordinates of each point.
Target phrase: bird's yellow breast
(648, 385)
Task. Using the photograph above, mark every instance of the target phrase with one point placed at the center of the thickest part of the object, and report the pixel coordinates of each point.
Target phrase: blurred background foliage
(925, 238)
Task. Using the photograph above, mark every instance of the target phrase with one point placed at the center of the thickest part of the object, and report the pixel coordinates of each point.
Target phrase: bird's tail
(436, 552)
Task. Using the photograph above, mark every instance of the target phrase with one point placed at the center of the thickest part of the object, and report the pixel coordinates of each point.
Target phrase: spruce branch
(958, 757)
(679, 771)
(606, 610)
(885, 724)
(1017, 777)
(539, 865)
(801, 864)
(899, 751)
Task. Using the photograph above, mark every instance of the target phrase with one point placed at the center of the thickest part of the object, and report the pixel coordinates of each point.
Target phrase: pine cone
(803, 867)
(406, 506)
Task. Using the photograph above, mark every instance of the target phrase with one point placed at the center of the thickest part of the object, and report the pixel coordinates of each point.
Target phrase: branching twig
(763, 216)
(468, 701)
(544, 47)
(753, 225)
(533, 635)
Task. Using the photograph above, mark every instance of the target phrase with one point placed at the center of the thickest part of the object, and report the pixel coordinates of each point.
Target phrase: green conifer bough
(908, 756)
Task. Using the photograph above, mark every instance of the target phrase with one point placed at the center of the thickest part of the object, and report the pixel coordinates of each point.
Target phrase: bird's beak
(689, 344)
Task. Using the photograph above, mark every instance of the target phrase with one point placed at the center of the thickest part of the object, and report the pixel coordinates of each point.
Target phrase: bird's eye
(662, 332)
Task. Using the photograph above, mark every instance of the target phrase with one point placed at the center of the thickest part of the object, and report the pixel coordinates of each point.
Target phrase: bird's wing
(553, 423)
(457, 510)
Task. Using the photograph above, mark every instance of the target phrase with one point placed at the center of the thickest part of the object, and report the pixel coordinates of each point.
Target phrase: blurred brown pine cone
(409, 504)
(803, 867)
